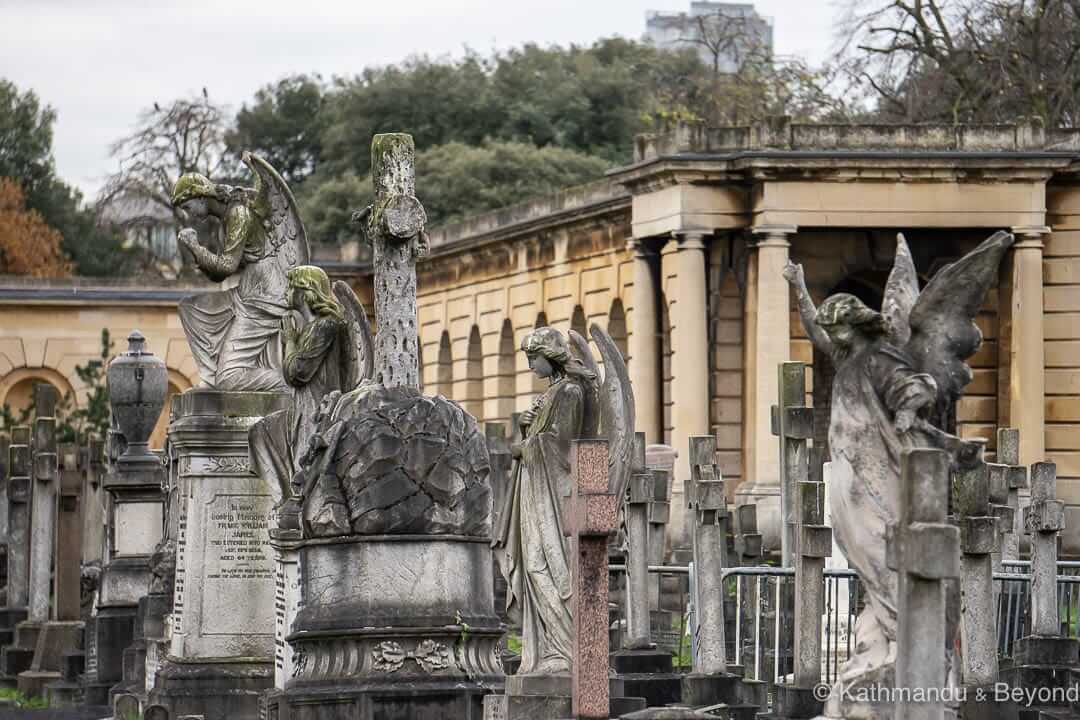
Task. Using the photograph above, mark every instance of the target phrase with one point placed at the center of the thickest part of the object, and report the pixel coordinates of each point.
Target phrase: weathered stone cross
(793, 422)
(43, 505)
(923, 549)
(709, 518)
(591, 516)
(395, 226)
(979, 538)
(19, 519)
(1043, 520)
(637, 557)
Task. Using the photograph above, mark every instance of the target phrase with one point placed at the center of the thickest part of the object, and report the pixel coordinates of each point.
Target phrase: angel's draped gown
(534, 550)
(871, 385)
(314, 368)
(233, 333)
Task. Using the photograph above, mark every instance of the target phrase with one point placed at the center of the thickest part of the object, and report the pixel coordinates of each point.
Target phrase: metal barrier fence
(759, 614)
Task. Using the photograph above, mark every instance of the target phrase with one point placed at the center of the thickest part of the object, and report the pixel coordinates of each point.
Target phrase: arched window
(444, 374)
(473, 399)
(506, 385)
(617, 325)
(577, 322)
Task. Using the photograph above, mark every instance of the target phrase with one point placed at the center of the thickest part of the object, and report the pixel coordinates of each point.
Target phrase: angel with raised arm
(532, 548)
(233, 333)
(895, 372)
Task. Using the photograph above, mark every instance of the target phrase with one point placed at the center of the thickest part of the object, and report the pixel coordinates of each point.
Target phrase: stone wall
(1061, 297)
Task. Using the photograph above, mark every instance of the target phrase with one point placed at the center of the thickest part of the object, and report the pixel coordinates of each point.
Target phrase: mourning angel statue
(897, 371)
(326, 347)
(532, 548)
(233, 332)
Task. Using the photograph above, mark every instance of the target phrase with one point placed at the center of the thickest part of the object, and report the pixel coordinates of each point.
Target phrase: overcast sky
(99, 62)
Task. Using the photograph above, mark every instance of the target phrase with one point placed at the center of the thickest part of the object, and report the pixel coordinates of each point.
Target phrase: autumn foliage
(28, 246)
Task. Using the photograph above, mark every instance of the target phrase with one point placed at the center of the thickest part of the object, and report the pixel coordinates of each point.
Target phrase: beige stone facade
(679, 256)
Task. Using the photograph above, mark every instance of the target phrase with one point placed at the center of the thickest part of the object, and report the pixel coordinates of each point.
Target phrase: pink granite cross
(591, 514)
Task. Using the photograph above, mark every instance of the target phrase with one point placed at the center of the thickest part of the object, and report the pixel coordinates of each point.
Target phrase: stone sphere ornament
(137, 383)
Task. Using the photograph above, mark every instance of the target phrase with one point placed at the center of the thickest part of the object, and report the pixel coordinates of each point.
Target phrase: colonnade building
(679, 255)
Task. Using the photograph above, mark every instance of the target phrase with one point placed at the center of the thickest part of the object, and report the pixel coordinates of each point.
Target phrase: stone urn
(137, 383)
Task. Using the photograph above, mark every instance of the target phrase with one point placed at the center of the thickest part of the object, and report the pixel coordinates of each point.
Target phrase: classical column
(690, 365)
(1027, 374)
(769, 338)
(644, 343)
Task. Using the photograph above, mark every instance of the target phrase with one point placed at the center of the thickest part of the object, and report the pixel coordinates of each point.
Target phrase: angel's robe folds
(870, 387)
(233, 333)
(533, 551)
(313, 367)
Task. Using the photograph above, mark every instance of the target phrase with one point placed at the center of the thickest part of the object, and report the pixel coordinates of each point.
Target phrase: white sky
(99, 62)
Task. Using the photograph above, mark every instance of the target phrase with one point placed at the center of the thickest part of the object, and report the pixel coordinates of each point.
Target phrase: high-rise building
(723, 34)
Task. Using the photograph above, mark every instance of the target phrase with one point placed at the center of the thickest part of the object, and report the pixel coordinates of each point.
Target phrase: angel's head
(549, 355)
(198, 196)
(309, 285)
(847, 319)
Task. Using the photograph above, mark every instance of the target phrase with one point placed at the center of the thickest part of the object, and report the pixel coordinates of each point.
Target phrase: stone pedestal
(393, 626)
(221, 650)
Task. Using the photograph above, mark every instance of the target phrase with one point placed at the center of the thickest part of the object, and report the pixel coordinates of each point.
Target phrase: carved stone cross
(19, 519)
(639, 495)
(591, 517)
(1016, 479)
(1043, 520)
(709, 520)
(923, 549)
(395, 228)
(793, 422)
(979, 538)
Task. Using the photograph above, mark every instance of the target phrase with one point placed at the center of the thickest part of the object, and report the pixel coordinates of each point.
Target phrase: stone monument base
(392, 626)
(548, 697)
(648, 674)
(212, 690)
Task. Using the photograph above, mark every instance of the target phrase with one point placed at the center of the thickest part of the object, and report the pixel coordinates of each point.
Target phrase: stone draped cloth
(533, 552)
(314, 368)
(870, 387)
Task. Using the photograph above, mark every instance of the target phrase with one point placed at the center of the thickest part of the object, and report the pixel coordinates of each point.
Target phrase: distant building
(146, 225)
(722, 33)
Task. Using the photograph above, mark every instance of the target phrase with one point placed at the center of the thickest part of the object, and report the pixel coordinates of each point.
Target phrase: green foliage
(93, 417)
(284, 126)
(453, 180)
(22, 701)
(26, 134)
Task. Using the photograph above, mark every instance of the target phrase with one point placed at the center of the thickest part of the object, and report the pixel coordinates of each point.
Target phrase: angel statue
(233, 333)
(533, 551)
(896, 371)
(326, 346)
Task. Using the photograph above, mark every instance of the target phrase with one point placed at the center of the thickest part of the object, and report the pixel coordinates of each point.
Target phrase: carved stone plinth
(220, 657)
(393, 626)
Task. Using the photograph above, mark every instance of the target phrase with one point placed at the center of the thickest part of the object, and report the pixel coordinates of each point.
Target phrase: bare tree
(188, 135)
(967, 60)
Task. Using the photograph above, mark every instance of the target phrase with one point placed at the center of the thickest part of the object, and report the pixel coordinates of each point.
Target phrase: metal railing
(759, 610)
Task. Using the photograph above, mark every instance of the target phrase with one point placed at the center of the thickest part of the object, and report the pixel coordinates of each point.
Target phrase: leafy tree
(28, 246)
(283, 125)
(26, 135)
(453, 180)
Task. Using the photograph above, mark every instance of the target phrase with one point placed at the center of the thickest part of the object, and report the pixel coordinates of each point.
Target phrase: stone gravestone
(137, 383)
(396, 614)
(923, 549)
(1044, 658)
(13, 659)
(50, 638)
(5, 475)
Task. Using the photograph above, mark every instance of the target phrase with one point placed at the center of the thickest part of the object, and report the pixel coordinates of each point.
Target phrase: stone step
(63, 694)
(32, 682)
(14, 660)
(26, 634)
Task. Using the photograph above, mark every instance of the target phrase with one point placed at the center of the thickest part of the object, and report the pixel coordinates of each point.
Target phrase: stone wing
(943, 331)
(360, 353)
(901, 293)
(590, 422)
(616, 411)
(276, 207)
